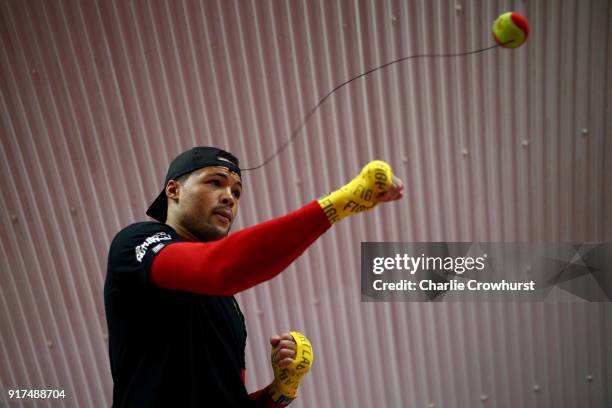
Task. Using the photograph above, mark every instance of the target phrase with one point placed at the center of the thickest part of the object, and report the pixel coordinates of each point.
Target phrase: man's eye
(237, 194)
(215, 182)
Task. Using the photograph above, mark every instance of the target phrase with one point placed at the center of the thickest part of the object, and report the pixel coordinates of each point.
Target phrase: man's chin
(223, 230)
(213, 233)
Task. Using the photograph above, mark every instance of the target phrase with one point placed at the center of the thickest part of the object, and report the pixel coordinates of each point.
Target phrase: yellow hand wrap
(360, 194)
(284, 388)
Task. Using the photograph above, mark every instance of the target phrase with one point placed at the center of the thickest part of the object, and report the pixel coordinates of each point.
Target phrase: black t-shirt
(168, 348)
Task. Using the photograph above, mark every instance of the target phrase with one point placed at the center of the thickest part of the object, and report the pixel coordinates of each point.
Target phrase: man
(176, 333)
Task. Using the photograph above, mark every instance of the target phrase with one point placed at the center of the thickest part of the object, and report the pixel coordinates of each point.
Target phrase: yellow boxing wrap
(284, 388)
(360, 194)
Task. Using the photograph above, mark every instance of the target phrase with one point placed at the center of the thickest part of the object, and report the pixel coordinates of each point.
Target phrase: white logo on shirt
(141, 249)
(157, 247)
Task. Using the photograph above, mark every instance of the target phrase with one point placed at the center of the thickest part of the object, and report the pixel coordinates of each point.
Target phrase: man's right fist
(362, 193)
(288, 371)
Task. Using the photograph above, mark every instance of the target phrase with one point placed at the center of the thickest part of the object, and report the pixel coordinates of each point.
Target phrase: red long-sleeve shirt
(242, 259)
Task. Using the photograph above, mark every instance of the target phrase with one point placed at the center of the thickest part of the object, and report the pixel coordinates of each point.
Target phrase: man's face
(208, 202)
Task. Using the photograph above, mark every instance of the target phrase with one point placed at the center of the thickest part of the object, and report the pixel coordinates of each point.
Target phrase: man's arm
(242, 259)
(262, 399)
(259, 253)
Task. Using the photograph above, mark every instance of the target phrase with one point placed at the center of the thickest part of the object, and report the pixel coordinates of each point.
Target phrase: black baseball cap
(186, 162)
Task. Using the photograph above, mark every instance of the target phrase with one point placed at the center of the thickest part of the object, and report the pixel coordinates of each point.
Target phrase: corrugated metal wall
(96, 97)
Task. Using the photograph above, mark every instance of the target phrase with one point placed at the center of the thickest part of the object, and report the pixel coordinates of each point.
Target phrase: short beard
(210, 233)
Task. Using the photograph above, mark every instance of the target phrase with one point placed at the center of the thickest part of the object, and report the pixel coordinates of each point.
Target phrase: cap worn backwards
(186, 162)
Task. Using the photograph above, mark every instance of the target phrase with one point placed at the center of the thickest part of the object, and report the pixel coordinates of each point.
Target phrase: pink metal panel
(97, 97)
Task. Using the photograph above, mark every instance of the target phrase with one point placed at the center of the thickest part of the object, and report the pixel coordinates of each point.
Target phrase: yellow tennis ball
(510, 29)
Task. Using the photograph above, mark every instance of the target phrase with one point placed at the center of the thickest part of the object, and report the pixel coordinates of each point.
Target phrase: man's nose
(228, 198)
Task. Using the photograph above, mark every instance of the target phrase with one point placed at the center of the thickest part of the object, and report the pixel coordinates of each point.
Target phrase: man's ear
(172, 190)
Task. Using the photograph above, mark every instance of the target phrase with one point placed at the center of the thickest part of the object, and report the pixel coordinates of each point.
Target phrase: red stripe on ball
(521, 22)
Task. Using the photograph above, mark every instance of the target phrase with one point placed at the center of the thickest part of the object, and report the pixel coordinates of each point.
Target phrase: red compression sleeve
(262, 399)
(240, 260)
